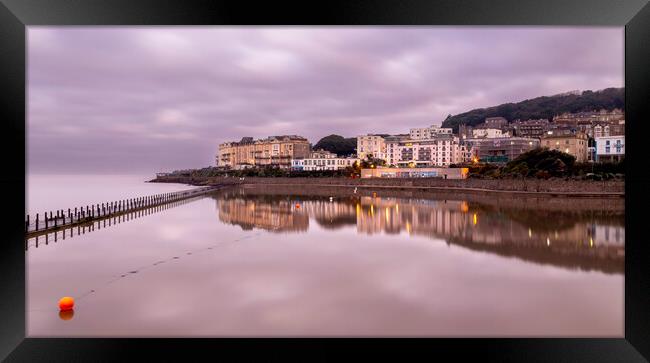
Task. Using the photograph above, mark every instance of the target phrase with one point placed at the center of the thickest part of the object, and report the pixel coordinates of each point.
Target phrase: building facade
(530, 128)
(371, 144)
(272, 151)
(445, 173)
(489, 133)
(610, 148)
(495, 122)
(323, 160)
(428, 132)
(443, 150)
(499, 150)
(574, 143)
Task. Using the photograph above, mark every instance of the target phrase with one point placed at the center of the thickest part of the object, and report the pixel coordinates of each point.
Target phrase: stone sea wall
(527, 185)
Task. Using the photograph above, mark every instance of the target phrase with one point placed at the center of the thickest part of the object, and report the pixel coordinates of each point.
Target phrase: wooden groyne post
(53, 222)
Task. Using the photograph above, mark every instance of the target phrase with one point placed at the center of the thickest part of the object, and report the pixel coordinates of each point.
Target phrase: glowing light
(372, 210)
(463, 207)
(358, 209)
(408, 227)
(396, 207)
(530, 233)
(548, 241)
(387, 215)
(475, 219)
(591, 242)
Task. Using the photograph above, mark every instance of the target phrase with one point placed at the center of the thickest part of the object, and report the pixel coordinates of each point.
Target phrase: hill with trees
(337, 144)
(542, 107)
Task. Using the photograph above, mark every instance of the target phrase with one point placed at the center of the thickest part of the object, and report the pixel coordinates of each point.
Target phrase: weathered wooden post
(69, 214)
(36, 221)
(27, 224)
(45, 220)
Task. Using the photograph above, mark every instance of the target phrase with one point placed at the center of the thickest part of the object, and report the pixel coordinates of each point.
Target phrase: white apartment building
(322, 160)
(441, 150)
(428, 132)
(610, 148)
(328, 163)
(488, 133)
(371, 144)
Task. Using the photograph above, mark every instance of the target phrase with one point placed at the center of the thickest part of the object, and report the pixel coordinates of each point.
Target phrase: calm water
(253, 262)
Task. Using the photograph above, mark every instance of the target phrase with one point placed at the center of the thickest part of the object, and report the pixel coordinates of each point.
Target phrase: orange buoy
(297, 206)
(66, 303)
(66, 315)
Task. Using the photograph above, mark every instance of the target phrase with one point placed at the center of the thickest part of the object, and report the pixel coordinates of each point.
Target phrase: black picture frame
(15, 15)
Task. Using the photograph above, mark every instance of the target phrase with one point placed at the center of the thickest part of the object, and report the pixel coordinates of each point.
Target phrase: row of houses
(587, 136)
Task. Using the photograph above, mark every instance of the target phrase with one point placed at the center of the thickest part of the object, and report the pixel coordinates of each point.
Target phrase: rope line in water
(137, 270)
(148, 266)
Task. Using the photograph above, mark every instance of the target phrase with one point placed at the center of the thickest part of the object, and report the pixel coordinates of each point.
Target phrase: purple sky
(146, 99)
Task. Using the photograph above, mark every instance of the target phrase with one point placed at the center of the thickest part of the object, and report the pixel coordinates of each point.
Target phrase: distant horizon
(137, 100)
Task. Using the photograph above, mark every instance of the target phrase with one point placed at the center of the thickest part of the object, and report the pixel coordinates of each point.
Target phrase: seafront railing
(55, 220)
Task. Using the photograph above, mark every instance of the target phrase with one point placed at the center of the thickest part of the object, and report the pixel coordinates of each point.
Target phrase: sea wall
(530, 186)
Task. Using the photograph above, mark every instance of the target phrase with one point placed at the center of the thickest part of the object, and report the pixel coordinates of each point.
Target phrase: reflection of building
(276, 216)
(570, 241)
(272, 151)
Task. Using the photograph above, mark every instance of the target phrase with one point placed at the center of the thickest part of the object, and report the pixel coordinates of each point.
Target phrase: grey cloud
(138, 99)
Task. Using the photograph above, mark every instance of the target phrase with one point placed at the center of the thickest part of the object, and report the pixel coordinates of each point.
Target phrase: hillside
(543, 107)
(337, 144)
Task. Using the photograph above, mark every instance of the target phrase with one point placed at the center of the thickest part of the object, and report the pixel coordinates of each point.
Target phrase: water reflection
(586, 239)
(45, 238)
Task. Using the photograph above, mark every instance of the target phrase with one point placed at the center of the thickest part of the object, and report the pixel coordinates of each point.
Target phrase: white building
(323, 160)
(297, 164)
(610, 148)
(373, 144)
(428, 132)
(601, 131)
(488, 133)
(441, 150)
(336, 163)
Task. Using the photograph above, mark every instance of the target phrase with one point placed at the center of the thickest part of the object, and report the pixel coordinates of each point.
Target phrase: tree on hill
(543, 107)
(540, 162)
(337, 144)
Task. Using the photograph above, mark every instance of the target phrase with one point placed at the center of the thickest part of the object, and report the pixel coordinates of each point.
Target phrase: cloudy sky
(146, 99)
